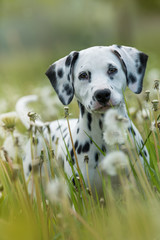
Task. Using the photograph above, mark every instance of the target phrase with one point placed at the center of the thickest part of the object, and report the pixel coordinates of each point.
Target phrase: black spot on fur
(79, 149)
(143, 59)
(51, 74)
(145, 153)
(72, 157)
(73, 179)
(96, 156)
(68, 77)
(68, 89)
(119, 46)
(65, 135)
(53, 79)
(64, 130)
(124, 67)
(132, 78)
(100, 124)
(76, 144)
(140, 69)
(68, 61)
(75, 57)
(132, 131)
(30, 167)
(60, 72)
(72, 154)
(89, 117)
(58, 127)
(93, 98)
(82, 109)
(117, 54)
(103, 148)
(89, 73)
(77, 130)
(86, 147)
(53, 137)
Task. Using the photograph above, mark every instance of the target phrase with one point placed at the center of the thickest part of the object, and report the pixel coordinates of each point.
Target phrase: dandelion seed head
(113, 162)
(147, 94)
(8, 120)
(115, 127)
(154, 125)
(142, 115)
(156, 84)
(155, 104)
(66, 112)
(56, 190)
(33, 116)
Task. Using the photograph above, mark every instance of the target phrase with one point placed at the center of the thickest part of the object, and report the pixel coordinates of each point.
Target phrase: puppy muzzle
(102, 96)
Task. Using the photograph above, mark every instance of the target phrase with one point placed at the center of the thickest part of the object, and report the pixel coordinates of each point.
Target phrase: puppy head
(98, 76)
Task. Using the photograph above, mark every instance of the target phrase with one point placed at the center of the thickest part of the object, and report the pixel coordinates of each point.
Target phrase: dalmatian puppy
(97, 77)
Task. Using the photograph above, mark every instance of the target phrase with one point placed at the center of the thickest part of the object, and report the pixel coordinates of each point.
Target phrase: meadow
(130, 210)
(32, 37)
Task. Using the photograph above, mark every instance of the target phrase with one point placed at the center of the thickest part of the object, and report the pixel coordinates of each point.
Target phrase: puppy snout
(102, 96)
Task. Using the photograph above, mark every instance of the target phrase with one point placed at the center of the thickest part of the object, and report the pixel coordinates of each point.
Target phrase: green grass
(128, 211)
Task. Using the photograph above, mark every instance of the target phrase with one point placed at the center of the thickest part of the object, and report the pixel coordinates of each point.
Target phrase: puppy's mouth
(102, 108)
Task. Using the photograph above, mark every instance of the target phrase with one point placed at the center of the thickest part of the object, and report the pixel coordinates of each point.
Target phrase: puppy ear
(134, 65)
(60, 75)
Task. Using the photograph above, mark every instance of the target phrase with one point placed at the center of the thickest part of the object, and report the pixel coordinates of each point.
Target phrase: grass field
(129, 211)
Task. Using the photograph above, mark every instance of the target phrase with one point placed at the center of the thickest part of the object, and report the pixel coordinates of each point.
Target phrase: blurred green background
(34, 33)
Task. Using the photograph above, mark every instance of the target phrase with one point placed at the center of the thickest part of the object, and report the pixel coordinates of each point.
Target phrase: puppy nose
(102, 96)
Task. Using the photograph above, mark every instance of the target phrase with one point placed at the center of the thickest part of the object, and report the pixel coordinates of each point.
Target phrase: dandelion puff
(9, 145)
(156, 84)
(114, 162)
(8, 120)
(155, 104)
(56, 191)
(132, 111)
(115, 127)
(143, 115)
(33, 116)
(154, 125)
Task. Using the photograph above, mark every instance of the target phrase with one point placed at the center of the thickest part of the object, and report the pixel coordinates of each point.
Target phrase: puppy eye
(112, 70)
(83, 76)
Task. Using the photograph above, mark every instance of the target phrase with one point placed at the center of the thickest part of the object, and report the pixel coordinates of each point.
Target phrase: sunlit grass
(128, 210)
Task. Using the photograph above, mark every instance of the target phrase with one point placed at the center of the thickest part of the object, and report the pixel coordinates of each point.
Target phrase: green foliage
(127, 211)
